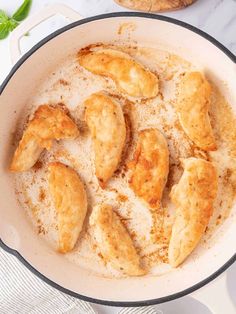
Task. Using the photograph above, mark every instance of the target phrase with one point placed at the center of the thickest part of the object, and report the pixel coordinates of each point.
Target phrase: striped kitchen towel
(21, 292)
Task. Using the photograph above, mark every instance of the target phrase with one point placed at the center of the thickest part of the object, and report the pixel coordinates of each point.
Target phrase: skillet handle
(34, 20)
(216, 296)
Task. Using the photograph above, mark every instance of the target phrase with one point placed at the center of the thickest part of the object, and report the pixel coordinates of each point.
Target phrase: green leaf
(4, 30)
(3, 16)
(8, 24)
(12, 24)
(23, 11)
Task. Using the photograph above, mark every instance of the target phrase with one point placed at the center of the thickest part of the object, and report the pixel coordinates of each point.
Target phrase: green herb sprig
(8, 24)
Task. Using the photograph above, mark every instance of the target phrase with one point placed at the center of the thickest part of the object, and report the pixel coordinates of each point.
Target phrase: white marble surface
(216, 17)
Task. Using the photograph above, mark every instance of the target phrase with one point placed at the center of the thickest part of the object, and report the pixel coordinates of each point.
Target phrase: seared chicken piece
(193, 103)
(114, 242)
(130, 76)
(48, 123)
(106, 122)
(26, 154)
(70, 201)
(193, 196)
(150, 166)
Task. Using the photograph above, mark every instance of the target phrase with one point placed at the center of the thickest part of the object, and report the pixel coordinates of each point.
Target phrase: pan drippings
(70, 85)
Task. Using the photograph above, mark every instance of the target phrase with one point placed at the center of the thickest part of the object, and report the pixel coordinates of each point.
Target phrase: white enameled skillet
(16, 233)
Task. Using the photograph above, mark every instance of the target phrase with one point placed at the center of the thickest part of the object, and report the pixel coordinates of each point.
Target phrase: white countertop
(216, 17)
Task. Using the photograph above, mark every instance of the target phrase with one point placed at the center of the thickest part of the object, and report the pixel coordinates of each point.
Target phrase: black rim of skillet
(7, 80)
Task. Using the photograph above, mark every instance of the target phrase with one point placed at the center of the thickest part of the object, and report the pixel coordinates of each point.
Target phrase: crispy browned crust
(114, 241)
(150, 166)
(70, 201)
(193, 101)
(130, 76)
(193, 196)
(48, 123)
(106, 122)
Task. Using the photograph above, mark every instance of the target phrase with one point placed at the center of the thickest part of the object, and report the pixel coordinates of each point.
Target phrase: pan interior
(61, 80)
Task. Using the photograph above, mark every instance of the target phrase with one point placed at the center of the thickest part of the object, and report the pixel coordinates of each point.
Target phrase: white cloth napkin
(21, 292)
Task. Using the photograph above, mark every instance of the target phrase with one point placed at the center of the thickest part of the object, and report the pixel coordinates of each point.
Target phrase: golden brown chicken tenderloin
(130, 77)
(48, 123)
(70, 200)
(193, 102)
(114, 241)
(106, 122)
(150, 166)
(193, 197)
